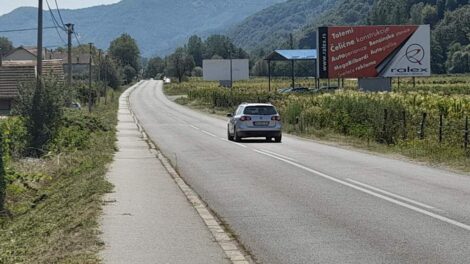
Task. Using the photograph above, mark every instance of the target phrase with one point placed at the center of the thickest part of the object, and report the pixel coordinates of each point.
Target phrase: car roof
(255, 104)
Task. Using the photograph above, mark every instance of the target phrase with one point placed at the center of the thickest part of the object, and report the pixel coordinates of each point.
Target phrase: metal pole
(293, 74)
(105, 79)
(69, 51)
(89, 79)
(98, 77)
(269, 75)
(231, 68)
(39, 47)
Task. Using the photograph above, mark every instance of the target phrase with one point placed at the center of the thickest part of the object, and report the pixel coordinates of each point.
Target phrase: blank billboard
(219, 70)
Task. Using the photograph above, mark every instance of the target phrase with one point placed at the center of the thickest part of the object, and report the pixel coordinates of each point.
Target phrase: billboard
(219, 70)
(374, 51)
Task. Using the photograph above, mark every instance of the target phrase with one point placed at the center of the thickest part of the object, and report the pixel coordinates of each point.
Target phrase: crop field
(425, 118)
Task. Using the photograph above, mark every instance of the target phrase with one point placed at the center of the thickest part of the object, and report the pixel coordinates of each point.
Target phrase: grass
(337, 120)
(55, 202)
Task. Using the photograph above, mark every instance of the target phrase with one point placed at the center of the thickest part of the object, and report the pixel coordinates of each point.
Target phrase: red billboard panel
(374, 51)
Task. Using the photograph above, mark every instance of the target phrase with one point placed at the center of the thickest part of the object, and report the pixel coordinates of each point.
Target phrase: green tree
(126, 52)
(154, 67)
(5, 46)
(429, 15)
(42, 109)
(109, 72)
(196, 49)
(180, 64)
(129, 73)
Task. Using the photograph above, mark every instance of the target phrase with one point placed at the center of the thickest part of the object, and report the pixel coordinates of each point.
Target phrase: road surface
(305, 202)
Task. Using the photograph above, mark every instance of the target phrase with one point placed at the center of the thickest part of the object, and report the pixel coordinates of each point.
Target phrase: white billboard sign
(219, 70)
(414, 58)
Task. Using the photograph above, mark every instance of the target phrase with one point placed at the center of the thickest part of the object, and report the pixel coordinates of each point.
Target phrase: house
(80, 62)
(15, 73)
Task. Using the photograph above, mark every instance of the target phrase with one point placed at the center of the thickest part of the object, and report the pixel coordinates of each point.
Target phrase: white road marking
(208, 133)
(391, 194)
(386, 198)
(197, 128)
(238, 144)
(279, 155)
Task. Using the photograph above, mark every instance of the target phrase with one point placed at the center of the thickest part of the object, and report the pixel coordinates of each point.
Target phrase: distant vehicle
(295, 90)
(75, 105)
(254, 120)
(166, 80)
(324, 89)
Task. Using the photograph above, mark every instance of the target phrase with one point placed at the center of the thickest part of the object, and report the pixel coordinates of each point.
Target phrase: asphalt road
(305, 202)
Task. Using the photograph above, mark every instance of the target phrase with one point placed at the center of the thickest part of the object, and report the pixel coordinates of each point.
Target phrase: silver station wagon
(255, 120)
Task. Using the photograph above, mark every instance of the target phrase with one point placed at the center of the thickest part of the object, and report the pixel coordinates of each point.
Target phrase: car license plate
(261, 123)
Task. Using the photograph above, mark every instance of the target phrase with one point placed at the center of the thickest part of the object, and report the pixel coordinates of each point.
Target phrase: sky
(7, 6)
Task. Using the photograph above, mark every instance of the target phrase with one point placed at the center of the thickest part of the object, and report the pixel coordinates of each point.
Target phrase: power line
(54, 20)
(24, 29)
(76, 37)
(58, 11)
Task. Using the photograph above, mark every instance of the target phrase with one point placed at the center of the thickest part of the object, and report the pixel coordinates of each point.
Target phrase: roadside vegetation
(424, 119)
(53, 161)
(53, 194)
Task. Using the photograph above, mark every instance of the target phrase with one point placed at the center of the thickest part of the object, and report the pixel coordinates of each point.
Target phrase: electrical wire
(76, 37)
(60, 15)
(24, 29)
(54, 20)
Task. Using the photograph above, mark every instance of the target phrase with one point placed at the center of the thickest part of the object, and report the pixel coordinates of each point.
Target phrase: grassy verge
(354, 120)
(55, 202)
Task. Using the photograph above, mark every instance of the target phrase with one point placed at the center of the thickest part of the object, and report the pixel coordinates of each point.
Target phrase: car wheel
(235, 135)
(229, 137)
(278, 139)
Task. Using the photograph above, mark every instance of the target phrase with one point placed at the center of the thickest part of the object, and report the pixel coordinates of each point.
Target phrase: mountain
(271, 27)
(157, 25)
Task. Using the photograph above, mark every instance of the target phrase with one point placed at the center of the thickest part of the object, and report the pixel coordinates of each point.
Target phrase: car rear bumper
(258, 133)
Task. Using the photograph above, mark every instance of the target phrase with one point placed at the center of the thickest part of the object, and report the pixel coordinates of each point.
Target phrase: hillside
(449, 20)
(157, 25)
(271, 27)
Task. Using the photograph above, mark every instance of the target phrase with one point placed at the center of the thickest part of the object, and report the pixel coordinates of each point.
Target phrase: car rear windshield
(260, 110)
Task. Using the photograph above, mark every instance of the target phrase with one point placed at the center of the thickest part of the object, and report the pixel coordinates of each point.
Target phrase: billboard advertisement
(374, 51)
(219, 70)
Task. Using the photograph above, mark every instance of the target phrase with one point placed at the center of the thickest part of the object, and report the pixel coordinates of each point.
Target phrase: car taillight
(276, 118)
(245, 118)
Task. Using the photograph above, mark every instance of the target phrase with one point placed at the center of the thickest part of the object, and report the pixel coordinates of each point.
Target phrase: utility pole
(70, 31)
(99, 76)
(293, 61)
(105, 79)
(89, 79)
(39, 47)
(231, 68)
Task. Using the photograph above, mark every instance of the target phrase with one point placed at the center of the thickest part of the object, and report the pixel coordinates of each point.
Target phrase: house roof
(81, 58)
(13, 73)
(300, 54)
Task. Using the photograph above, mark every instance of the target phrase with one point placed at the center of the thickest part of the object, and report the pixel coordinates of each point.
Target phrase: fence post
(422, 126)
(404, 124)
(441, 125)
(384, 127)
(466, 134)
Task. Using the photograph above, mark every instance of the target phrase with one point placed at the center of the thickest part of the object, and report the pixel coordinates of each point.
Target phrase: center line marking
(279, 155)
(208, 133)
(391, 194)
(386, 198)
(238, 144)
(197, 128)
